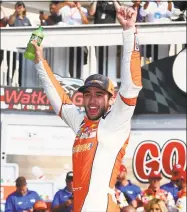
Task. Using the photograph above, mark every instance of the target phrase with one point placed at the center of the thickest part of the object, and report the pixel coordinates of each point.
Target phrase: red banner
(30, 99)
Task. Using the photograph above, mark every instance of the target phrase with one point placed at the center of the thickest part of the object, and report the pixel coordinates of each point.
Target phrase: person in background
(73, 14)
(54, 18)
(181, 183)
(130, 190)
(157, 205)
(154, 191)
(104, 12)
(63, 199)
(128, 208)
(172, 185)
(137, 6)
(19, 17)
(3, 17)
(154, 11)
(22, 199)
(40, 206)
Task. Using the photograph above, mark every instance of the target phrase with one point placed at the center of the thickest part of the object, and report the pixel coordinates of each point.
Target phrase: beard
(100, 114)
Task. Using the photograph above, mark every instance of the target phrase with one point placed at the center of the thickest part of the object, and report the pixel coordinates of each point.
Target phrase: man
(40, 206)
(102, 133)
(182, 194)
(130, 190)
(22, 199)
(19, 17)
(63, 199)
(104, 12)
(54, 18)
(172, 185)
(154, 191)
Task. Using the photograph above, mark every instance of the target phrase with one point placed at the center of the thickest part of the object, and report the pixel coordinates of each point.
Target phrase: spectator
(154, 11)
(104, 12)
(137, 6)
(3, 17)
(156, 205)
(22, 199)
(19, 17)
(172, 185)
(129, 190)
(54, 18)
(73, 14)
(128, 208)
(181, 183)
(40, 206)
(154, 191)
(63, 199)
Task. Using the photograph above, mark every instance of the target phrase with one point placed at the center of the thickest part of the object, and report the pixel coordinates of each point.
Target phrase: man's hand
(126, 17)
(69, 202)
(39, 52)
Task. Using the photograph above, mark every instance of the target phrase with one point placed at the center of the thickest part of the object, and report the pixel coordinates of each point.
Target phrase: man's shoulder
(61, 191)
(12, 195)
(170, 184)
(30, 192)
(133, 185)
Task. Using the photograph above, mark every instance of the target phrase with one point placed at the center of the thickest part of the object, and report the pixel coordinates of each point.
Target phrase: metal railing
(84, 50)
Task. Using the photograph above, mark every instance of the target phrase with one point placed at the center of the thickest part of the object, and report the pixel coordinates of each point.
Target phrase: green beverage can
(38, 36)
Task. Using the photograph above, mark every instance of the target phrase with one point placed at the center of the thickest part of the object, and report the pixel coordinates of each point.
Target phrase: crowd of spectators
(103, 12)
(170, 197)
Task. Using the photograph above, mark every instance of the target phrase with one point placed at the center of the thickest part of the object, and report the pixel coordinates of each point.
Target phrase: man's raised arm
(57, 96)
(131, 84)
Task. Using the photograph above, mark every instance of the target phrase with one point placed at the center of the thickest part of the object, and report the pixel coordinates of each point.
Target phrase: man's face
(22, 190)
(69, 184)
(154, 183)
(122, 176)
(96, 102)
(53, 9)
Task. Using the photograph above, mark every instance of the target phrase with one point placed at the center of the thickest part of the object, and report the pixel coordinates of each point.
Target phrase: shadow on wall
(160, 94)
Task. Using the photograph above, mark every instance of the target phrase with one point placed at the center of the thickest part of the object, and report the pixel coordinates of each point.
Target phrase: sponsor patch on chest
(82, 147)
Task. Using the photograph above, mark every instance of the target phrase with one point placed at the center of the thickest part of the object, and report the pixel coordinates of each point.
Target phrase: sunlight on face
(96, 102)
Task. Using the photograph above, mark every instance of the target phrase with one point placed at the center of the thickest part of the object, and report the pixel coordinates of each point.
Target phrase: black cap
(69, 176)
(21, 181)
(98, 81)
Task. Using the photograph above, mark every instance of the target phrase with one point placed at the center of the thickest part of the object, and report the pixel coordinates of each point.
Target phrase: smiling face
(96, 102)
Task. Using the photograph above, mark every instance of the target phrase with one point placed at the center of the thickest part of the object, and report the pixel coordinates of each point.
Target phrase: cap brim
(84, 87)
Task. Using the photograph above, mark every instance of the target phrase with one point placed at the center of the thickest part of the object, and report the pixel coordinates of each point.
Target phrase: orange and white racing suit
(99, 145)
